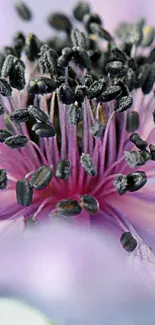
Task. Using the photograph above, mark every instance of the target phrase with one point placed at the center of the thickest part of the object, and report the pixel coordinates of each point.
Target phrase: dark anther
(8, 65)
(126, 48)
(38, 114)
(48, 59)
(97, 88)
(124, 87)
(89, 203)
(81, 9)
(42, 85)
(120, 183)
(16, 141)
(81, 57)
(65, 58)
(110, 93)
(63, 169)
(96, 129)
(24, 192)
(152, 151)
(59, 21)
(136, 180)
(151, 58)
(79, 94)
(5, 89)
(1, 109)
(142, 74)
(23, 11)
(88, 19)
(123, 104)
(78, 38)
(4, 134)
(87, 79)
(94, 55)
(132, 64)
(44, 130)
(32, 47)
(75, 114)
(128, 242)
(114, 67)
(149, 82)
(3, 179)
(139, 143)
(132, 123)
(41, 178)
(69, 208)
(19, 42)
(130, 79)
(100, 31)
(17, 75)
(88, 164)
(20, 115)
(118, 55)
(66, 95)
(62, 61)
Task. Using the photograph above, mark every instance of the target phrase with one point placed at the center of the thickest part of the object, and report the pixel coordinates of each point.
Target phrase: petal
(72, 274)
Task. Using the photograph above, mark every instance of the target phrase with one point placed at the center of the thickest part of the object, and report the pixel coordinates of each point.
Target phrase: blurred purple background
(112, 12)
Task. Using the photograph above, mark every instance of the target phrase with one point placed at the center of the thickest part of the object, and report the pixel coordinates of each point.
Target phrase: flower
(75, 275)
(69, 141)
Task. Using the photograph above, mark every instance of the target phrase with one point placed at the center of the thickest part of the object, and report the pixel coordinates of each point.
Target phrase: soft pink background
(112, 12)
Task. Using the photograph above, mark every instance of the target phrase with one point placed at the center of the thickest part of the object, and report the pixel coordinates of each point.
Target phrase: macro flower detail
(76, 126)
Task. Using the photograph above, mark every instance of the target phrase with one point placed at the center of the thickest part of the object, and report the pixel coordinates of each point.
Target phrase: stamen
(16, 141)
(63, 169)
(69, 208)
(59, 22)
(4, 134)
(75, 114)
(41, 178)
(81, 57)
(66, 95)
(120, 184)
(110, 93)
(88, 164)
(140, 144)
(5, 89)
(128, 242)
(8, 65)
(78, 38)
(23, 11)
(123, 104)
(44, 130)
(1, 110)
(81, 9)
(136, 181)
(24, 192)
(20, 115)
(96, 129)
(97, 88)
(152, 151)
(3, 179)
(89, 203)
(32, 47)
(132, 123)
(38, 114)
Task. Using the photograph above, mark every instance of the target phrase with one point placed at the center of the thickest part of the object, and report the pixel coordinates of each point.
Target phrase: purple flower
(76, 129)
(79, 276)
